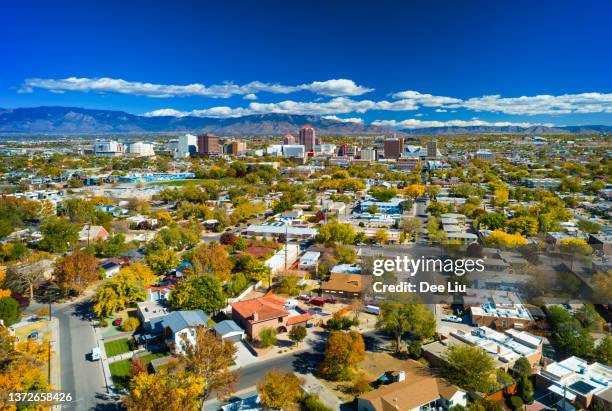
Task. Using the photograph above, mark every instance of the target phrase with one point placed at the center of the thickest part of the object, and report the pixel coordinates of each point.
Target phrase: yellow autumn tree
(162, 391)
(3, 292)
(506, 240)
(415, 190)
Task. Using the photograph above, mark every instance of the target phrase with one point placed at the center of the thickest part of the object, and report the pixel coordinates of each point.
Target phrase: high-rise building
(140, 148)
(393, 148)
(288, 139)
(187, 146)
(368, 154)
(208, 144)
(235, 148)
(308, 138)
(432, 149)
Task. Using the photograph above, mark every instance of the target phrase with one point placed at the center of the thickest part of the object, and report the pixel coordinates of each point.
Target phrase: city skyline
(399, 65)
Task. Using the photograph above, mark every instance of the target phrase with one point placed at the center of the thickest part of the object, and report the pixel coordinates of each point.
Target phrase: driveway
(244, 356)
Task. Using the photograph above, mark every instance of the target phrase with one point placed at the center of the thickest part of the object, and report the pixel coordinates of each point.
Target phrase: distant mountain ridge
(74, 120)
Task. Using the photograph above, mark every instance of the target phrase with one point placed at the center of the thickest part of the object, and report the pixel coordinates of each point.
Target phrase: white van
(372, 309)
(95, 354)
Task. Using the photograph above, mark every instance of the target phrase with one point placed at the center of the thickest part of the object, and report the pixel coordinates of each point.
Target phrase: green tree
(59, 235)
(336, 232)
(469, 367)
(522, 367)
(297, 334)
(398, 319)
(10, 311)
(603, 352)
(199, 293)
(267, 337)
(162, 261)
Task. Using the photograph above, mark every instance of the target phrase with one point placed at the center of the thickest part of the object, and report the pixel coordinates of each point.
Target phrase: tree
(76, 271)
(525, 389)
(382, 193)
(140, 272)
(59, 235)
(575, 246)
(162, 261)
(525, 225)
(381, 235)
(505, 240)
(469, 367)
(412, 226)
(399, 319)
(522, 366)
(117, 293)
(137, 366)
(602, 287)
(343, 352)
(267, 337)
(212, 259)
(297, 334)
(199, 293)
(163, 391)
(210, 358)
(372, 209)
(10, 311)
(278, 391)
(603, 352)
(112, 247)
(414, 191)
(131, 324)
(336, 232)
(589, 226)
(492, 221)
(26, 276)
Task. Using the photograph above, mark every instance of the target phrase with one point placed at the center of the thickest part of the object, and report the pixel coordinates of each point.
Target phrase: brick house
(269, 311)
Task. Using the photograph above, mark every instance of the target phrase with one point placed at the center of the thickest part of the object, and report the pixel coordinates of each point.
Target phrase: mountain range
(74, 120)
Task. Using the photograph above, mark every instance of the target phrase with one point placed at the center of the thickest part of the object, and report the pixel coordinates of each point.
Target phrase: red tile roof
(298, 319)
(267, 307)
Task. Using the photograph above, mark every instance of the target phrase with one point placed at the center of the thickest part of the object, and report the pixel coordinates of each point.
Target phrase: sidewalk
(110, 387)
(313, 386)
(125, 355)
(55, 380)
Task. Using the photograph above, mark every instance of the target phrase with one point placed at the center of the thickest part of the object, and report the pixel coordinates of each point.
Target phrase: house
(159, 293)
(412, 389)
(309, 261)
(347, 286)
(110, 267)
(148, 311)
(283, 259)
(89, 234)
(269, 311)
(581, 383)
(178, 328)
(229, 330)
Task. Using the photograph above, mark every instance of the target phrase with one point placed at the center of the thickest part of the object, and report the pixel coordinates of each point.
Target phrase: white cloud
(345, 120)
(426, 100)
(250, 96)
(414, 123)
(441, 110)
(331, 88)
(541, 104)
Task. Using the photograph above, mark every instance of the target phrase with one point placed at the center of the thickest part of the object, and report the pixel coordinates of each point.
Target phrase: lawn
(116, 347)
(178, 183)
(120, 370)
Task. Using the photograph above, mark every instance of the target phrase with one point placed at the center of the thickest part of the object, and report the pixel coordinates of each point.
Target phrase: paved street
(80, 376)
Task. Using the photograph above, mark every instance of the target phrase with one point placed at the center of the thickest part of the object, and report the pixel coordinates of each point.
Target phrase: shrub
(267, 337)
(131, 324)
(516, 402)
(103, 322)
(313, 403)
(414, 349)
(132, 344)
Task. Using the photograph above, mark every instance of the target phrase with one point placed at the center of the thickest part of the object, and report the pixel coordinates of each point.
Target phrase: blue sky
(404, 63)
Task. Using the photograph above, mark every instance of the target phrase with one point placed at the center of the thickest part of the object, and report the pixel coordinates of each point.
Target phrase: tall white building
(187, 146)
(140, 149)
(368, 154)
(108, 148)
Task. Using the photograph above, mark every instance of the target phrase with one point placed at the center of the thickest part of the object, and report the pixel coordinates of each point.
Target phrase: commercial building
(586, 385)
(308, 138)
(279, 228)
(283, 259)
(187, 146)
(505, 348)
(108, 148)
(208, 144)
(393, 206)
(235, 148)
(393, 148)
(369, 154)
(432, 149)
(497, 309)
(295, 150)
(288, 139)
(542, 183)
(140, 148)
(485, 155)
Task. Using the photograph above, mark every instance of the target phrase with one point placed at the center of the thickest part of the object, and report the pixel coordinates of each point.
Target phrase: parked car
(372, 309)
(452, 319)
(95, 354)
(303, 297)
(117, 322)
(330, 300)
(318, 301)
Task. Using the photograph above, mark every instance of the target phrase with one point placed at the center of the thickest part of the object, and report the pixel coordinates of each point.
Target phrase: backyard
(120, 370)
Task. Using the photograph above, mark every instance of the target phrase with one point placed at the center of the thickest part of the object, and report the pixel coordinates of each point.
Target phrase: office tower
(187, 146)
(368, 154)
(432, 149)
(288, 139)
(236, 148)
(208, 144)
(308, 138)
(393, 148)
